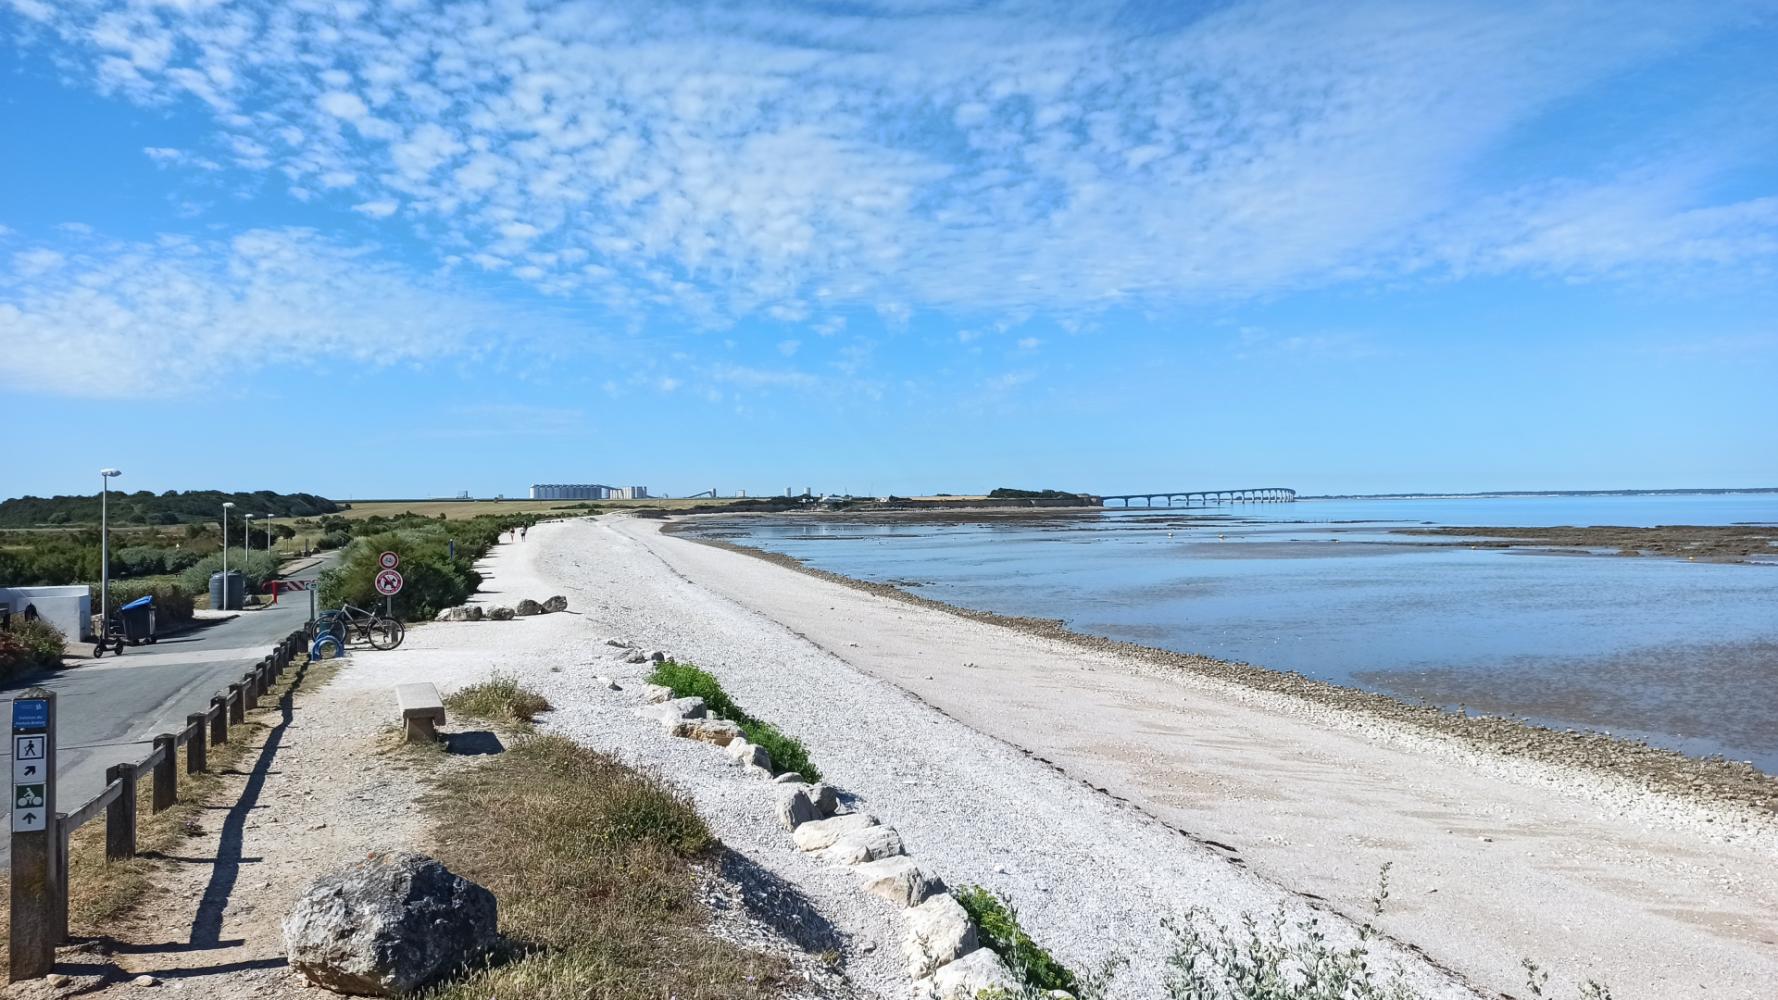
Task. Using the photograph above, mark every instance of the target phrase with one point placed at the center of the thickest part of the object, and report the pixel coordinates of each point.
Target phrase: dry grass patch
(500, 698)
(591, 863)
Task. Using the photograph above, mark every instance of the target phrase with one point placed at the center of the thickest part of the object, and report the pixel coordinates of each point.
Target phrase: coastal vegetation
(997, 924)
(27, 646)
(500, 698)
(592, 862)
(437, 560)
(687, 681)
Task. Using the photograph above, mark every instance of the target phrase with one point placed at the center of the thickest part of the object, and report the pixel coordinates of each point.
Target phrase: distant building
(570, 491)
(586, 491)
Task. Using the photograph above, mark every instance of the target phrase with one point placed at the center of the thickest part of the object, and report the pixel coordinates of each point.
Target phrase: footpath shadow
(779, 905)
(206, 925)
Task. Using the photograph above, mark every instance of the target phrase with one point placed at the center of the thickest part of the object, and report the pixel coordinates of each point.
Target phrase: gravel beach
(1101, 793)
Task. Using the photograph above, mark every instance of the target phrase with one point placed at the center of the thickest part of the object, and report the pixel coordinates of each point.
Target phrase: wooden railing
(118, 800)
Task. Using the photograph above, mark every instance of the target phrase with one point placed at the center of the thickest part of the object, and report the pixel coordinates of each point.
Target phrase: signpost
(389, 581)
(36, 870)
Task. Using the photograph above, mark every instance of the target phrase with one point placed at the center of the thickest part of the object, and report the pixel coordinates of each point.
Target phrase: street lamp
(247, 545)
(227, 506)
(105, 545)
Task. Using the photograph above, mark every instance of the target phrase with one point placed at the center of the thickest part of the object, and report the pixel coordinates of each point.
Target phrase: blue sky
(407, 249)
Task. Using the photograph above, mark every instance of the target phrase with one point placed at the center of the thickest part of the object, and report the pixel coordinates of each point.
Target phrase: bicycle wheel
(331, 623)
(385, 633)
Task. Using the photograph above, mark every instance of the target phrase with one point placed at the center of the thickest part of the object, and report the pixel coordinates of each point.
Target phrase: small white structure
(69, 609)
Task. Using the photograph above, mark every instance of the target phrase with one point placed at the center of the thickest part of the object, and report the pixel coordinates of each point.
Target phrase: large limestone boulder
(654, 694)
(900, 880)
(388, 925)
(795, 809)
(980, 971)
(718, 731)
(822, 833)
(527, 608)
(938, 931)
(825, 798)
(555, 604)
(501, 614)
(671, 713)
(870, 844)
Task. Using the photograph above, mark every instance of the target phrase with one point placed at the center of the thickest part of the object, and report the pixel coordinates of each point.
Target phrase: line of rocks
(941, 943)
(523, 609)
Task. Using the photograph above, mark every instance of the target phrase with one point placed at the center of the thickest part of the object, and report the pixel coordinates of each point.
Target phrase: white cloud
(175, 314)
(376, 209)
(1001, 157)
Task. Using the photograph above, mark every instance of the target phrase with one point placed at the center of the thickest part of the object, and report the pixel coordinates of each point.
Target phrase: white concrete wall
(67, 608)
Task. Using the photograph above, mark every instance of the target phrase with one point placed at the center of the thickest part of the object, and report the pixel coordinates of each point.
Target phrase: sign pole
(37, 889)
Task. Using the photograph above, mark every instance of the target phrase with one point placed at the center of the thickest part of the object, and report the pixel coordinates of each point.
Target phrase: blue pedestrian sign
(30, 714)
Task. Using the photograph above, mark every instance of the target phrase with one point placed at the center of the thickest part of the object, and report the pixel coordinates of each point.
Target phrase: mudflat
(1498, 854)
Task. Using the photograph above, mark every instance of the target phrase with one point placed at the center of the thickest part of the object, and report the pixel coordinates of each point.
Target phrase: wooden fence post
(236, 712)
(120, 816)
(249, 690)
(197, 759)
(37, 887)
(166, 773)
(218, 719)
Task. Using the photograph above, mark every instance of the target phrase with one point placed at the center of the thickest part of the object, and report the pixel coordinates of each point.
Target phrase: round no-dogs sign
(389, 583)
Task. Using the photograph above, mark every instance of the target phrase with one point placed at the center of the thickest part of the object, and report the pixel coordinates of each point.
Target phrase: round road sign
(388, 583)
(389, 560)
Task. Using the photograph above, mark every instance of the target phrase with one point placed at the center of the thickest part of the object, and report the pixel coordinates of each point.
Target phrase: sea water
(1684, 654)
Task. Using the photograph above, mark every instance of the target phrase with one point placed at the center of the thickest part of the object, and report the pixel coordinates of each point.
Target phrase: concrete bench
(422, 711)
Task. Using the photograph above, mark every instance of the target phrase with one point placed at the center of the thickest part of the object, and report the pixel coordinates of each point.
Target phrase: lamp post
(227, 506)
(247, 544)
(105, 544)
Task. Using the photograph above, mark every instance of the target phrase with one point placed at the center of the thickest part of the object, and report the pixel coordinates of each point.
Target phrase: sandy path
(1493, 859)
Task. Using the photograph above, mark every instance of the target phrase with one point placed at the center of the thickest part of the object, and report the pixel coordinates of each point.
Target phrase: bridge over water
(1264, 494)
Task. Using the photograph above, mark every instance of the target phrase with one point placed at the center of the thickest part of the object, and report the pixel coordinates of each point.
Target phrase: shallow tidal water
(1684, 654)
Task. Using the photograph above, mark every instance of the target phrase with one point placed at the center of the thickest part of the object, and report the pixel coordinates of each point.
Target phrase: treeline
(1006, 493)
(171, 507)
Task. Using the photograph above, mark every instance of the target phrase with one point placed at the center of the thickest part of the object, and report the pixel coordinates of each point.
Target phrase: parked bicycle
(350, 623)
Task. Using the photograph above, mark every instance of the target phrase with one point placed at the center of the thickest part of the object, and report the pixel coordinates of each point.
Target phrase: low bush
(26, 646)
(256, 566)
(687, 681)
(500, 697)
(432, 578)
(592, 864)
(172, 602)
(999, 926)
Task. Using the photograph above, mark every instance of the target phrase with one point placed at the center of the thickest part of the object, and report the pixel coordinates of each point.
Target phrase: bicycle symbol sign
(389, 583)
(389, 560)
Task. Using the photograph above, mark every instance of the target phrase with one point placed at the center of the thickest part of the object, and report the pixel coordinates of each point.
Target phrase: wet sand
(1730, 543)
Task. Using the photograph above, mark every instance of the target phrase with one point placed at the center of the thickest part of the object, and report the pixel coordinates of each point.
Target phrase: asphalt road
(108, 710)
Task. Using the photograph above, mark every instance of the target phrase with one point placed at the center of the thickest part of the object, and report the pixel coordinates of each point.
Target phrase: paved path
(110, 709)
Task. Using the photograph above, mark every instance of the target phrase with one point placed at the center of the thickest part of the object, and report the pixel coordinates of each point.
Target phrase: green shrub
(26, 646)
(999, 927)
(256, 566)
(432, 579)
(687, 681)
(172, 602)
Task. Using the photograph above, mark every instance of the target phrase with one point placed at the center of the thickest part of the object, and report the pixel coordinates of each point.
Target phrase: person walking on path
(522, 531)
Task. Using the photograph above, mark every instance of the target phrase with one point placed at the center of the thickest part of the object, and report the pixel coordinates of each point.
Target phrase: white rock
(900, 880)
(737, 748)
(146, 980)
(606, 683)
(750, 754)
(789, 778)
(718, 731)
(821, 834)
(825, 798)
(654, 694)
(967, 977)
(870, 844)
(795, 809)
(670, 713)
(619, 643)
(635, 656)
(938, 931)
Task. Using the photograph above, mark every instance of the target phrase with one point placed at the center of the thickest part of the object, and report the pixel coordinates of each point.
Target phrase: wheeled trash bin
(137, 620)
